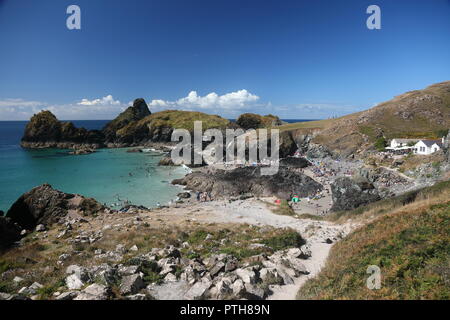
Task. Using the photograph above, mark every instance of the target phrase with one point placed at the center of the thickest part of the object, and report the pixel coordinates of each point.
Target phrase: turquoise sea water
(106, 175)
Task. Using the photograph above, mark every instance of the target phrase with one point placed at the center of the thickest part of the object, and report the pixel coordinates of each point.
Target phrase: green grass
(410, 245)
(175, 119)
(286, 240)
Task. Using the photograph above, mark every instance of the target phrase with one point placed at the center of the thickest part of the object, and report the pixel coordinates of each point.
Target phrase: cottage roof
(429, 143)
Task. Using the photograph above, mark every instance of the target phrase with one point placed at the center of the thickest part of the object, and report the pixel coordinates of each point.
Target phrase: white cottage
(426, 147)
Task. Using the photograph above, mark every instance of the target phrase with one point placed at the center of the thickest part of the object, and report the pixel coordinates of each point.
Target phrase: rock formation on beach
(9, 232)
(45, 205)
(292, 162)
(245, 180)
(351, 193)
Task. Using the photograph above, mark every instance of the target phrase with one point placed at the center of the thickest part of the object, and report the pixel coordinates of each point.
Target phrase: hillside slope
(410, 244)
(416, 114)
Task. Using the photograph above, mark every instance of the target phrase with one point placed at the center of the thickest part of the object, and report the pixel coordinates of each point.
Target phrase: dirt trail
(255, 212)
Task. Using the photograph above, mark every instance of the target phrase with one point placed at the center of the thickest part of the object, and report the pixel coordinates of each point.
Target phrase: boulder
(69, 295)
(138, 297)
(78, 276)
(348, 194)
(184, 195)
(40, 228)
(238, 288)
(45, 205)
(270, 276)
(225, 183)
(94, 292)
(73, 282)
(223, 289)
(296, 163)
(253, 292)
(10, 232)
(247, 275)
(198, 291)
(218, 267)
(131, 284)
(166, 161)
(174, 290)
(231, 265)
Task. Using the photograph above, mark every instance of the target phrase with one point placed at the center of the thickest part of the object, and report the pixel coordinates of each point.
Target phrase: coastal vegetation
(49, 232)
(34, 261)
(408, 237)
(255, 121)
(416, 114)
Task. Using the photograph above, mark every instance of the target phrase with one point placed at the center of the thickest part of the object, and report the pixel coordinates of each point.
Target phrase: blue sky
(297, 59)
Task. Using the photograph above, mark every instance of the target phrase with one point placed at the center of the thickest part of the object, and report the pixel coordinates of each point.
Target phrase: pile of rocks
(165, 274)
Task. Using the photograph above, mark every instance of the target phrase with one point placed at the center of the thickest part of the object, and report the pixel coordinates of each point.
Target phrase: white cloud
(105, 101)
(96, 109)
(228, 102)
(229, 105)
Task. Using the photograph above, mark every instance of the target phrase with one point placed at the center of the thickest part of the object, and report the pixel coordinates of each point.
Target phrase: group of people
(204, 196)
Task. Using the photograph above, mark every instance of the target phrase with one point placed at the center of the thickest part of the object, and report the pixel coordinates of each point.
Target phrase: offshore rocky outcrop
(45, 131)
(139, 110)
(135, 126)
(248, 180)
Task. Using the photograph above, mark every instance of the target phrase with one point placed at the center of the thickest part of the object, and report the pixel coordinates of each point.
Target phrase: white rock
(18, 279)
(40, 228)
(248, 276)
(238, 287)
(97, 291)
(69, 295)
(73, 282)
(198, 290)
(131, 284)
(170, 277)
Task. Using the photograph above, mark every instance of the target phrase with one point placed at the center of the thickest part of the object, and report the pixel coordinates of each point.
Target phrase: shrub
(286, 240)
(380, 144)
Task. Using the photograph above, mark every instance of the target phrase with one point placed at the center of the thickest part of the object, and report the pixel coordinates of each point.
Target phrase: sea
(112, 176)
